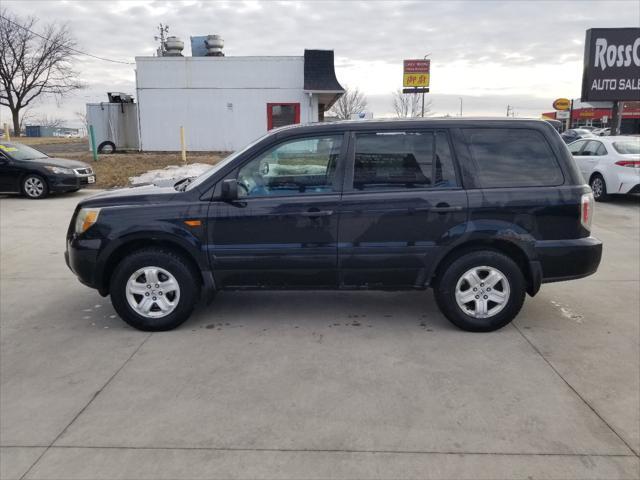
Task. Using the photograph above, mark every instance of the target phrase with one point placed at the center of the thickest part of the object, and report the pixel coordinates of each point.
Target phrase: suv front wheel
(481, 291)
(154, 289)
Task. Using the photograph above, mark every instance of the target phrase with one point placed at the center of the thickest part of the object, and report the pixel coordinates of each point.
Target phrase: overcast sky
(490, 53)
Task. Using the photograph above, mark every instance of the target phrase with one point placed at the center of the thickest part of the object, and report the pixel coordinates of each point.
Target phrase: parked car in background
(574, 134)
(28, 171)
(611, 165)
(602, 132)
(483, 211)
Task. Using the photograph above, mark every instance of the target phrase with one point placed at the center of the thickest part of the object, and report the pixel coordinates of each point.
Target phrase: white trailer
(115, 125)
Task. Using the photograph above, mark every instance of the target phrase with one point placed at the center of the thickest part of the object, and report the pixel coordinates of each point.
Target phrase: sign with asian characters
(416, 73)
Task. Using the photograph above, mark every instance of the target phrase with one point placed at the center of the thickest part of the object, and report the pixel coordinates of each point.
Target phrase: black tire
(599, 188)
(107, 147)
(29, 187)
(445, 290)
(185, 275)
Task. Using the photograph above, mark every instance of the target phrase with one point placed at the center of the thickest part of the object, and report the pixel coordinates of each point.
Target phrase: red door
(281, 114)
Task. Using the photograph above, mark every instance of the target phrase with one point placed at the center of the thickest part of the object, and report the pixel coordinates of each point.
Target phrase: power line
(80, 52)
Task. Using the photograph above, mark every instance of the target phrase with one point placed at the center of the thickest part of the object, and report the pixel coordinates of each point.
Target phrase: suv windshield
(17, 151)
(628, 147)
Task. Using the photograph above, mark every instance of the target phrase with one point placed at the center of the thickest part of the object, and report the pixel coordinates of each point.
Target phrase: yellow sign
(416, 73)
(562, 104)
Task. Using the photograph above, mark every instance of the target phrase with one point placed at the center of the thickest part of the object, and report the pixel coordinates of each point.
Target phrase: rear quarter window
(512, 157)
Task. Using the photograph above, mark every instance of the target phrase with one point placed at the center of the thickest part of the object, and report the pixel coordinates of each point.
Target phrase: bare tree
(351, 101)
(82, 116)
(33, 64)
(47, 121)
(27, 116)
(409, 104)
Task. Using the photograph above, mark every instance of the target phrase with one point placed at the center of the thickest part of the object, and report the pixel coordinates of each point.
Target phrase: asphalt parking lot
(315, 384)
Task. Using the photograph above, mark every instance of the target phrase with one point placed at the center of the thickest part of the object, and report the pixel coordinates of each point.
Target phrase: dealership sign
(416, 73)
(561, 104)
(611, 64)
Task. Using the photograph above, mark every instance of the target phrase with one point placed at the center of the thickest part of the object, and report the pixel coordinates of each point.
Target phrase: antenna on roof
(163, 29)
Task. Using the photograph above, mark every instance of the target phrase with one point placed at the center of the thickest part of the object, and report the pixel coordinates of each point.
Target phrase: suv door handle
(316, 213)
(447, 208)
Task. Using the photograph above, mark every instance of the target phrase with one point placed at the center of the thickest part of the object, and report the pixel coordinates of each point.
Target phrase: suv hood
(142, 194)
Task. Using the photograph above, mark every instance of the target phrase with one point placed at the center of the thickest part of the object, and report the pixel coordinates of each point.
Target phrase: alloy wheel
(152, 292)
(482, 292)
(34, 187)
(597, 187)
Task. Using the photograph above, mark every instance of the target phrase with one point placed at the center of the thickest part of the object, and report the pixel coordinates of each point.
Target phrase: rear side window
(513, 157)
(591, 149)
(403, 160)
(628, 147)
(575, 147)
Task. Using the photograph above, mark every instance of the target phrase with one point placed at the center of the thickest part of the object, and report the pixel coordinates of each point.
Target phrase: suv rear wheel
(481, 291)
(154, 289)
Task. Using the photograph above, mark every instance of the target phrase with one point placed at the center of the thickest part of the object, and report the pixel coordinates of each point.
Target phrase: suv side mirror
(229, 190)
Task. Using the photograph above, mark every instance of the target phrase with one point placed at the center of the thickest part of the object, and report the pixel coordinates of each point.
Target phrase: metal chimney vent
(214, 44)
(173, 47)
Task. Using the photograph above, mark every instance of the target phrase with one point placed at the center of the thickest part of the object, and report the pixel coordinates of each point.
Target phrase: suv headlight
(60, 170)
(86, 218)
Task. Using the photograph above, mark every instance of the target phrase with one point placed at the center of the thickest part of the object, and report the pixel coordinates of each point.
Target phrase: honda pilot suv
(483, 211)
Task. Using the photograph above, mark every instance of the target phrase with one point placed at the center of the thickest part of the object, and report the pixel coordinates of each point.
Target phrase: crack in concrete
(555, 370)
(82, 410)
(328, 450)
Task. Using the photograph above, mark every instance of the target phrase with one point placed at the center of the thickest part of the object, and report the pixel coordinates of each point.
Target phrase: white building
(224, 103)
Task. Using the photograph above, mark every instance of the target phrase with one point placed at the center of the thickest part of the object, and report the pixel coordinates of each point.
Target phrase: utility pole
(616, 117)
(570, 115)
(509, 109)
(460, 105)
(163, 29)
(425, 57)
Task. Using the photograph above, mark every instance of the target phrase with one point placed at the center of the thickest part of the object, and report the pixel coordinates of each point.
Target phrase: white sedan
(611, 165)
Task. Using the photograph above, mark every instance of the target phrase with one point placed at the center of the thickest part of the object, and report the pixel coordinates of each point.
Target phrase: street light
(460, 105)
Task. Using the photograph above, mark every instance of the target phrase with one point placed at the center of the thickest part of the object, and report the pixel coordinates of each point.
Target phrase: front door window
(301, 166)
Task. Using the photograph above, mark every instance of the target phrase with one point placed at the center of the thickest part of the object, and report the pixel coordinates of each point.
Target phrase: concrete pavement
(315, 384)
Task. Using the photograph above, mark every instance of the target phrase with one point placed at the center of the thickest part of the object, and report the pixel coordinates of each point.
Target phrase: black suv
(483, 211)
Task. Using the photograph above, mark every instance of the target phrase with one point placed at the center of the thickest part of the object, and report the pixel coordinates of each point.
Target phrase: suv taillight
(586, 210)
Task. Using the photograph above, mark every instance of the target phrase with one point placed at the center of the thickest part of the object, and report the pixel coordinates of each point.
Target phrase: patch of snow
(172, 172)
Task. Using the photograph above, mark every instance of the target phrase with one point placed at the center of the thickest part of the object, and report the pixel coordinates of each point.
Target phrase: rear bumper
(634, 189)
(627, 181)
(568, 259)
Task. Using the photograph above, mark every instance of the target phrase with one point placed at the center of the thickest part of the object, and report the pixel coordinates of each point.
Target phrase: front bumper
(65, 183)
(568, 259)
(81, 257)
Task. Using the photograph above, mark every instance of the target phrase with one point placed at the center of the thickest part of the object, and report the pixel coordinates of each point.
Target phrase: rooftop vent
(173, 47)
(207, 46)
